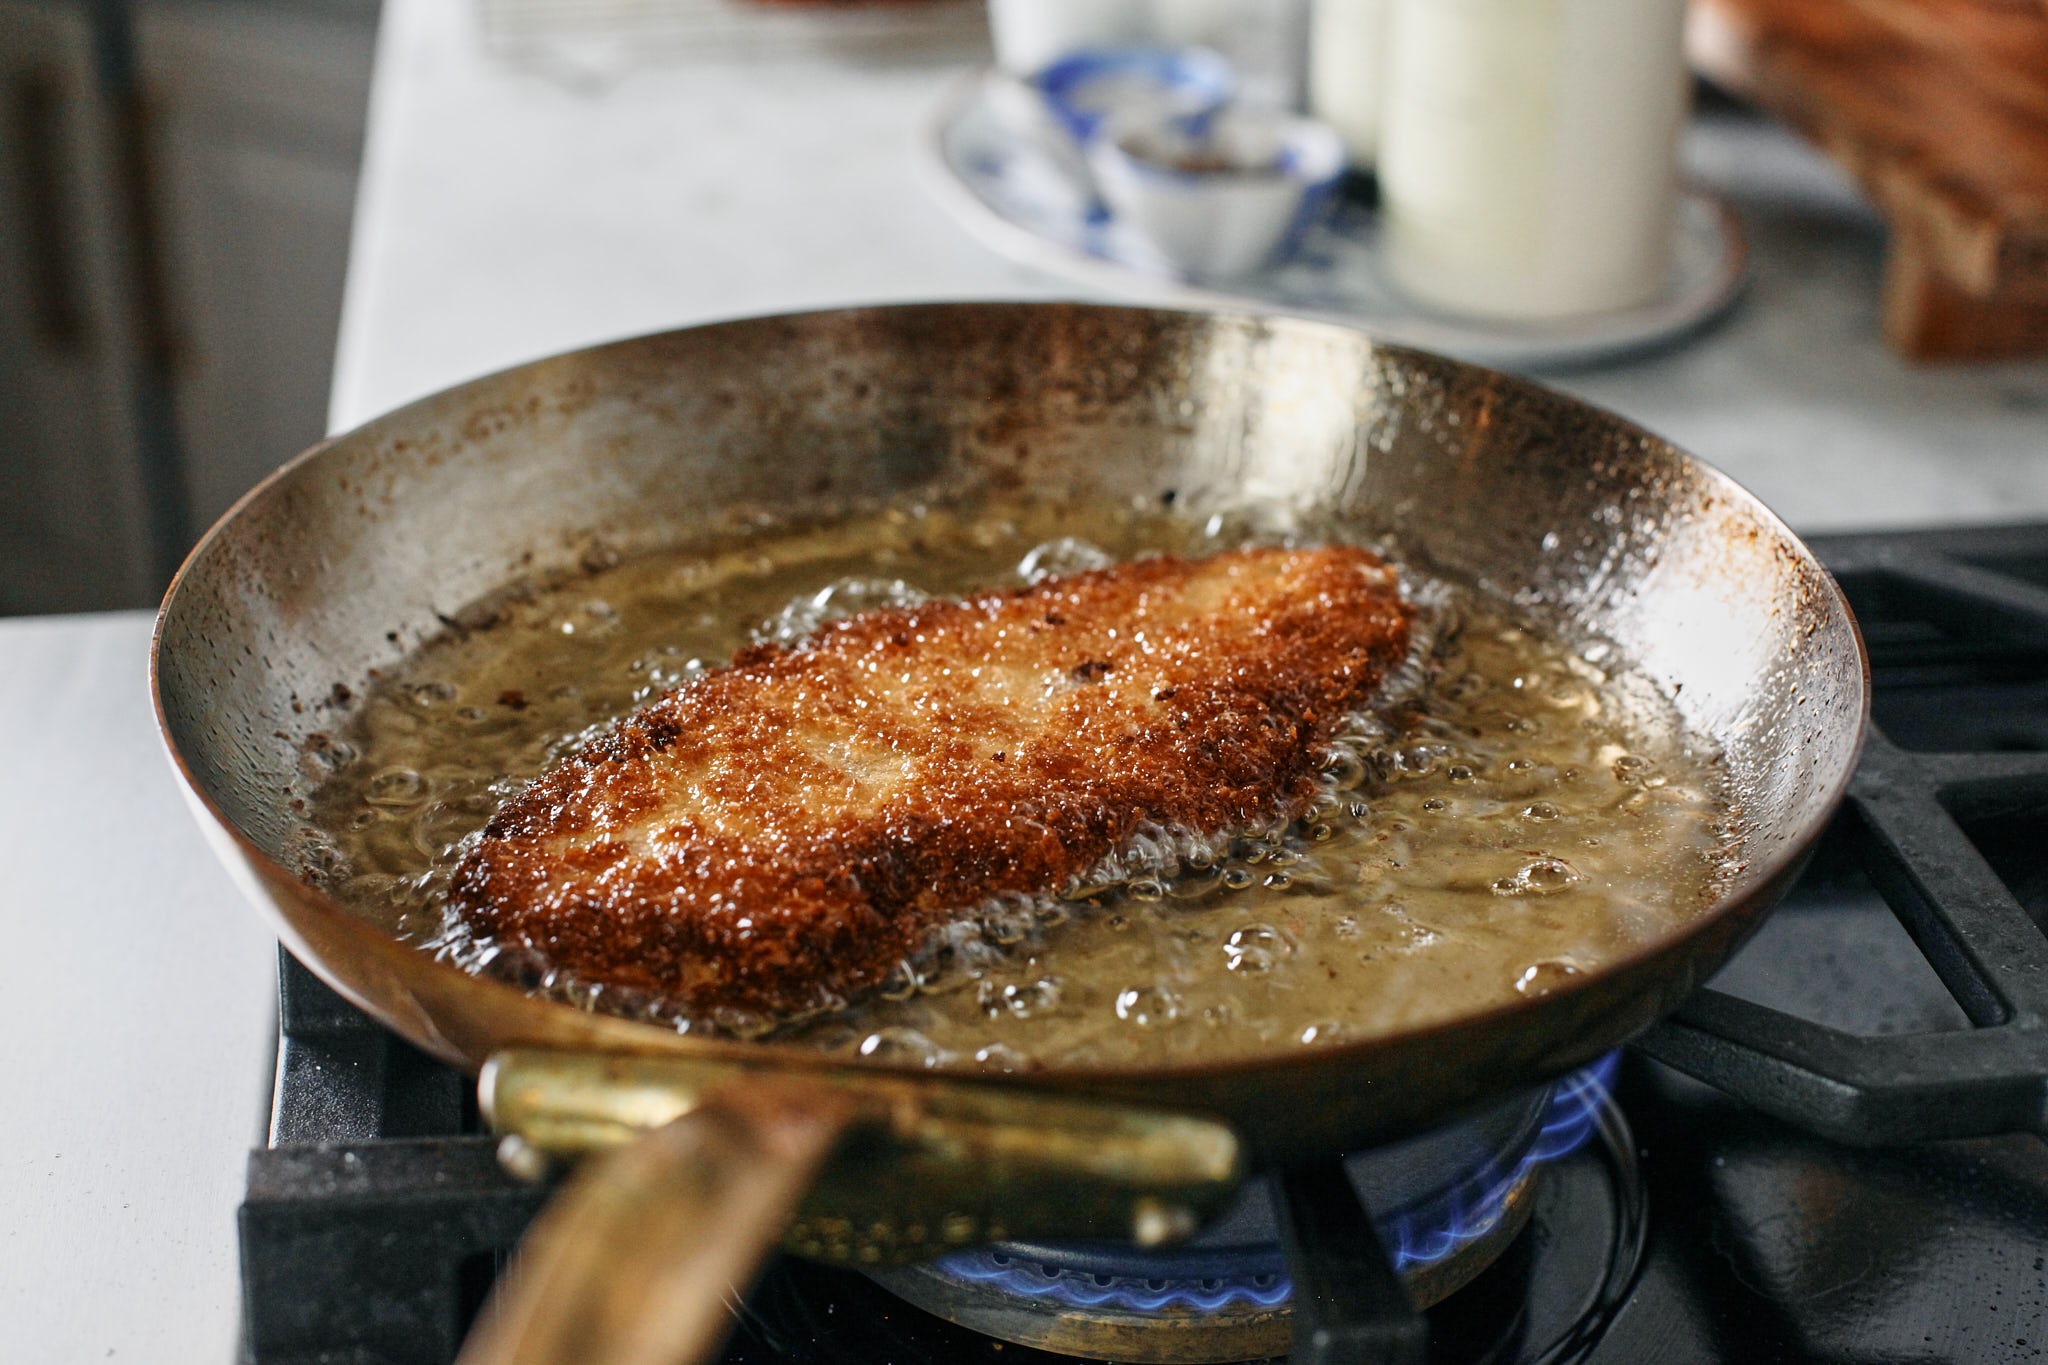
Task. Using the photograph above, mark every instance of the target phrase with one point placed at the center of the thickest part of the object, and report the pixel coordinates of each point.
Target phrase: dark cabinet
(176, 185)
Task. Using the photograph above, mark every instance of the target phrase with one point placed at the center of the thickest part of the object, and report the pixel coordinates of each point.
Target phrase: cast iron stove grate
(1800, 1212)
(1947, 814)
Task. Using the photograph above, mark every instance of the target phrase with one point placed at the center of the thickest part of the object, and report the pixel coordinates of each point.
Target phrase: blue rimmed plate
(999, 161)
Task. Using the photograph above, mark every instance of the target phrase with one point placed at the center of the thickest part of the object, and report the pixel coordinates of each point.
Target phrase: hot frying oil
(1518, 809)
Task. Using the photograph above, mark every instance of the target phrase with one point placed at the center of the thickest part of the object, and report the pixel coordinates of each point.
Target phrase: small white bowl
(1221, 195)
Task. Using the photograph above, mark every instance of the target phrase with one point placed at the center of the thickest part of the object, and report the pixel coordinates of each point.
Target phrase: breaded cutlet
(780, 833)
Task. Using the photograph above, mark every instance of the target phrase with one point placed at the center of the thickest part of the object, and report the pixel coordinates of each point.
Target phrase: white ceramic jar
(1528, 152)
(1265, 42)
(1346, 82)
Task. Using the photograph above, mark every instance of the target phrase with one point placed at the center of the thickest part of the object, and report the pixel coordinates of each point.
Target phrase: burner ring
(1229, 1302)
(1170, 1322)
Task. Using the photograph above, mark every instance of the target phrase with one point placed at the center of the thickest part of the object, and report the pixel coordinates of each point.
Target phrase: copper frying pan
(355, 553)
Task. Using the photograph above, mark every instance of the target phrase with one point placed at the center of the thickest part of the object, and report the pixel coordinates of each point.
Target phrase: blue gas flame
(1474, 1206)
(1081, 1290)
(1415, 1236)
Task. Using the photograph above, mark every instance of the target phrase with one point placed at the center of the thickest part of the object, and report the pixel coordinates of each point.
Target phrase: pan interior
(429, 520)
(1513, 809)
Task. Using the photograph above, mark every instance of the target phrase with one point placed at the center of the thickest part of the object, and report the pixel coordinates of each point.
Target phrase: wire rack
(597, 40)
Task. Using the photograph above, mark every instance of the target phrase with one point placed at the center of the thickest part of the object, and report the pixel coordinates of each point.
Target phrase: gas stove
(1863, 1179)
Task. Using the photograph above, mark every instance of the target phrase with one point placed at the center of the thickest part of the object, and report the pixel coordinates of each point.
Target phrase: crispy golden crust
(800, 821)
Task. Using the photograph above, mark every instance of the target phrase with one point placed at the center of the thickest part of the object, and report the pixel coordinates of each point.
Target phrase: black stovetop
(1900, 993)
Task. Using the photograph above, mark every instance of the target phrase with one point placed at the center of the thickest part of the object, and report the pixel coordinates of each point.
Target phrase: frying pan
(367, 546)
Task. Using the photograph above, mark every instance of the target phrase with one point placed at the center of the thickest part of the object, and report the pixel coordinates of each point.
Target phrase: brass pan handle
(694, 1168)
(636, 1260)
(928, 1163)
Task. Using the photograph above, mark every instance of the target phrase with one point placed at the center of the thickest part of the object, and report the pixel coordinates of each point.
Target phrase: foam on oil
(1516, 810)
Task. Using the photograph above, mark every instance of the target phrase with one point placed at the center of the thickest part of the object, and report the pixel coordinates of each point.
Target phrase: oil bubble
(436, 829)
(1005, 930)
(1631, 768)
(522, 967)
(396, 787)
(1342, 769)
(837, 1036)
(1539, 810)
(1465, 687)
(1146, 1005)
(1414, 933)
(1255, 948)
(1540, 878)
(324, 757)
(1420, 760)
(1020, 1000)
(901, 1047)
(901, 983)
(1541, 978)
(1361, 733)
(370, 888)
(835, 602)
(1252, 849)
(1002, 1057)
(1065, 555)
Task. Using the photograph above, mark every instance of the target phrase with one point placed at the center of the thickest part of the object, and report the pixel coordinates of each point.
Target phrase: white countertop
(137, 1018)
(502, 217)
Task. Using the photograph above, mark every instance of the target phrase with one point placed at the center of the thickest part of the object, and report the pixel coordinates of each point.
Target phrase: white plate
(998, 163)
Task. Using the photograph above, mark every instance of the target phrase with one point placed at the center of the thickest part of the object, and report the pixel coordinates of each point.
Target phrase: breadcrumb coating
(780, 833)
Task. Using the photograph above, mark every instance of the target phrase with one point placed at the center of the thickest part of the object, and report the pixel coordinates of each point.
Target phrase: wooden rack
(1939, 109)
